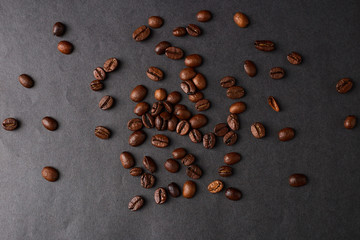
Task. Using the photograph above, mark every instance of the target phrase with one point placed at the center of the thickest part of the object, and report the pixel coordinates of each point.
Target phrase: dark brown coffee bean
(138, 93)
(172, 123)
(188, 160)
(344, 85)
(189, 189)
(160, 141)
(233, 194)
(65, 47)
(174, 190)
(193, 60)
(174, 97)
(277, 73)
(161, 47)
(183, 127)
(136, 203)
(168, 107)
(160, 123)
(99, 73)
(200, 81)
(193, 30)
(250, 68)
(193, 171)
(155, 21)
(230, 138)
(182, 114)
(110, 64)
(195, 136)
(202, 105)
(141, 33)
(198, 121)
(297, 180)
(264, 45)
(10, 124)
(196, 97)
(59, 29)
(174, 53)
(187, 73)
(171, 165)
(155, 74)
(350, 122)
(235, 92)
(50, 174)
(49, 123)
(106, 102)
(165, 115)
(179, 107)
(241, 20)
(136, 171)
(294, 58)
(221, 129)
(188, 87)
(160, 195)
(135, 124)
(141, 108)
(179, 31)
(137, 138)
(149, 164)
(96, 85)
(156, 108)
(227, 82)
(215, 186)
(237, 107)
(209, 140)
(178, 153)
(147, 180)
(286, 134)
(148, 121)
(233, 122)
(127, 160)
(273, 103)
(160, 94)
(258, 130)
(232, 158)
(102, 132)
(225, 171)
(26, 81)
(203, 16)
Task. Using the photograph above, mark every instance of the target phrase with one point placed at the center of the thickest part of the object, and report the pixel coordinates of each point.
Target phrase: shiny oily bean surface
(235, 92)
(179, 32)
(149, 164)
(189, 189)
(50, 174)
(221, 129)
(231, 158)
(59, 29)
(233, 194)
(147, 180)
(65, 47)
(193, 60)
(200, 81)
(241, 20)
(141, 33)
(227, 82)
(171, 165)
(187, 73)
(26, 81)
(141, 108)
(49, 123)
(174, 97)
(137, 138)
(273, 104)
(294, 58)
(344, 85)
(277, 73)
(99, 73)
(196, 97)
(136, 171)
(183, 114)
(230, 138)
(96, 85)
(198, 121)
(172, 123)
(106, 102)
(209, 140)
(102, 132)
(188, 159)
(127, 160)
(257, 130)
(215, 186)
(193, 30)
(174, 53)
(250, 68)
(193, 171)
(160, 141)
(237, 107)
(350, 122)
(225, 171)
(10, 124)
(160, 196)
(297, 180)
(204, 16)
(148, 120)
(155, 74)
(179, 153)
(161, 47)
(286, 134)
(233, 122)
(110, 64)
(160, 94)
(264, 45)
(138, 93)
(135, 124)
(155, 21)
(183, 127)
(174, 190)
(195, 136)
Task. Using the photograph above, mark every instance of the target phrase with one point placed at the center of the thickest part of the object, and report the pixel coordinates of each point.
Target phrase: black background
(90, 199)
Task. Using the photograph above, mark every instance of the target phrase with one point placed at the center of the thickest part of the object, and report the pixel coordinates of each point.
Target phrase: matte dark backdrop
(90, 199)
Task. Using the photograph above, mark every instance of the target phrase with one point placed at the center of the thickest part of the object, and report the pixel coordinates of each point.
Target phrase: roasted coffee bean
(50, 174)
(200, 81)
(209, 140)
(230, 138)
(233, 194)
(141, 33)
(241, 20)
(26, 81)
(350, 122)
(110, 64)
(96, 85)
(286, 134)
(149, 164)
(49, 123)
(138, 93)
(135, 124)
(189, 189)
(174, 53)
(182, 114)
(168, 107)
(160, 123)
(225, 171)
(193, 30)
(179, 107)
(183, 127)
(141, 108)
(195, 136)
(344, 85)
(171, 165)
(277, 73)
(172, 123)
(193, 171)
(188, 159)
(202, 105)
(227, 82)
(231, 158)
(198, 121)
(155, 74)
(174, 97)
(136, 171)
(196, 97)
(294, 58)
(221, 129)
(187, 73)
(102, 132)
(297, 180)
(203, 16)
(233, 122)
(137, 138)
(273, 103)
(174, 190)
(136, 203)
(147, 180)
(237, 107)
(188, 87)
(161, 47)
(59, 29)
(178, 153)
(99, 73)
(160, 195)
(179, 31)
(155, 21)
(258, 130)
(10, 124)
(160, 94)
(106, 102)
(156, 108)
(160, 141)
(165, 115)
(215, 186)
(65, 47)
(193, 60)
(127, 160)
(264, 45)
(250, 68)
(148, 121)
(235, 92)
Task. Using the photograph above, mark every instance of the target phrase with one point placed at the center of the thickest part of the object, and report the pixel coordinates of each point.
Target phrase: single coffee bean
(99, 73)
(277, 73)
(174, 97)
(202, 105)
(286, 134)
(193, 30)
(137, 138)
(200, 81)
(49, 123)
(160, 195)
(188, 160)
(187, 73)
(50, 174)
(155, 74)
(195, 136)
(233, 122)
(183, 127)
(273, 104)
(147, 120)
(209, 140)
(106, 102)
(294, 58)
(230, 138)
(225, 171)
(135, 124)
(136, 203)
(160, 123)
(174, 189)
(141, 33)
(250, 68)
(235, 92)
(178, 153)
(160, 141)
(179, 31)
(172, 123)
(215, 186)
(297, 180)
(96, 85)
(168, 107)
(59, 29)
(156, 108)
(189, 189)
(237, 107)
(161, 47)
(149, 164)
(174, 53)
(344, 85)
(138, 93)
(136, 171)
(188, 87)
(26, 81)
(110, 64)
(233, 194)
(65, 47)
(232, 158)
(155, 21)
(179, 107)
(182, 114)
(350, 122)
(141, 108)
(10, 124)
(171, 165)
(241, 20)
(258, 130)
(127, 160)
(193, 171)
(193, 60)
(221, 129)
(147, 180)
(203, 16)
(227, 82)
(160, 94)
(198, 121)
(196, 97)
(102, 132)
(264, 45)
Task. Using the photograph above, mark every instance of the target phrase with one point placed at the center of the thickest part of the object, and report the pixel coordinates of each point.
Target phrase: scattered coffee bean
(147, 120)
(286, 134)
(183, 127)
(258, 130)
(225, 171)
(136, 203)
(232, 158)
(106, 102)
(297, 180)
(149, 164)
(350, 122)
(10, 124)
(230, 138)
(179, 32)
(65, 47)
(202, 105)
(155, 74)
(59, 29)
(135, 124)
(193, 30)
(99, 73)
(200, 81)
(110, 64)
(160, 141)
(172, 123)
(182, 114)
(209, 140)
(188, 159)
(160, 195)
(237, 107)
(136, 171)
(235, 92)
(127, 160)
(233, 194)
(137, 138)
(102, 132)
(161, 47)
(155, 21)
(138, 93)
(96, 85)
(49, 123)
(171, 165)
(147, 180)
(188, 87)
(189, 189)
(174, 97)
(215, 186)
(174, 53)
(203, 16)
(273, 103)
(241, 20)
(233, 122)
(195, 136)
(227, 82)
(221, 129)
(193, 171)
(141, 108)
(264, 45)
(160, 94)
(195, 97)
(250, 68)
(344, 85)
(294, 58)
(174, 190)
(277, 73)
(178, 153)
(50, 174)
(26, 81)
(198, 121)
(193, 60)
(187, 73)
(141, 33)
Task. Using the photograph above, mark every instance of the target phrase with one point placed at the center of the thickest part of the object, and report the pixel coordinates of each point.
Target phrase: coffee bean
(233, 194)
(198, 121)
(178, 153)
(160, 94)
(127, 160)
(110, 64)
(174, 190)
(209, 140)
(202, 105)
(136, 203)
(26, 81)
(277, 73)
(160, 195)
(273, 104)
(141, 33)
(196, 97)
(141, 108)
(138, 93)
(135, 124)
(147, 120)
(65, 47)
(10, 124)
(155, 74)
(350, 122)
(294, 58)
(188, 87)
(161, 47)
(50, 174)
(96, 85)
(250, 68)
(230, 138)
(241, 20)
(286, 134)
(297, 180)
(149, 164)
(160, 141)
(227, 82)
(49, 123)
(102, 132)
(187, 73)
(156, 108)
(155, 21)
(195, 136)
(182, 114)
(137, 138)
(233, 122)
(258, 130)
(188, 159)
(172, 123)
(183, 127)
(179, 31)
(174, 97)
(168, 107)
(193, 30)
(147, 180)
(99, 73)
(200, 81)
(215, 186)
(171, 165)
(237, 107)
(179, 107)
(235, 92)
(189, 189)
(59, 29)
(193, 171)
(220, 129)
(193, 60)
(344, 85)
(160, 123)
(225, 171)
(136, 171)
(106, 102)
(264, 45)
(203, 16)
(174, 53)
(231, 158)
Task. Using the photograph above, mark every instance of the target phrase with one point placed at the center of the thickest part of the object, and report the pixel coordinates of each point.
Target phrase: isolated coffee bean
(106, 102)
(178, 153)
(182, 114)
(160, 123)
(161, 47)
(221, 129)
(174, 97)
(227, 82)
(297, 180)
(233, 194)
(196, 97)
(179, 31)
(237, 107)
(277, 73)
(188, 87)
(264, 45)
(172, 123)
(209, 140)
(198, 121)
(195, 136)
(215, 186)
(174, 53)
(26, 81)
(110, 64)
(231, 158)
(193, 171)
(188, 159)
(250, 68)
(155, 21)
(136, 171)
(350, 122)
(149, 164)
(183, 127)
(135, 124)
(137, 138)
(193, 60)
(147, 180)
(96, 85)
(155, 74)
(241, 20)
(189, 189)
(99, 73)
(171, 165)
(141, 33)
(102, 132)
(10, 124)
(127, 160)
(147, 120)
(49, 123)
(160, 141)
(141, 108)
(136, 203)
(225, 171)
(59, 29)
(233, 122)
(187, 73)
(50, 174)
(160, 196)
(344, 85)
(138, 93)
(286, 134)
(258, 130)
(235, 92)
(174, 189)
(65, 47)
(193, 30)
(200, 81)
(203, 16)
(230, 138)
(273, 103)
(294, 58)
